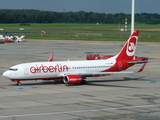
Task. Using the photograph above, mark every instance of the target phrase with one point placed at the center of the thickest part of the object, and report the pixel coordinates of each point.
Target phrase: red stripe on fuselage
(17, 80)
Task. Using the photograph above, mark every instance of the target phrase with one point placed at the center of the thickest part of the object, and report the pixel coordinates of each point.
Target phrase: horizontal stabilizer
(137, 62)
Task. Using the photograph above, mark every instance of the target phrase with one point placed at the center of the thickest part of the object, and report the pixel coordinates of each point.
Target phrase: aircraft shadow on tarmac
(98, 82)
(101, 82)
(90, 82)
(51, 82)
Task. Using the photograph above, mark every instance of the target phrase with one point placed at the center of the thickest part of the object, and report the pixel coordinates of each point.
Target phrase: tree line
(37, 16)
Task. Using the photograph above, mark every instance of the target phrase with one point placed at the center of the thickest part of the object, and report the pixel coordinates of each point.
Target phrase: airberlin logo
(50, 69)
(131, 46)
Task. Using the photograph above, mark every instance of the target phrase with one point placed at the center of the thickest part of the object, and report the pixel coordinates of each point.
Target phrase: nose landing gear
(17, 81)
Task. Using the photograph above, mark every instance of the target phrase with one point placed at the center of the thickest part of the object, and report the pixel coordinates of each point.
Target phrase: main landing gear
(18, 83)
(83, 82)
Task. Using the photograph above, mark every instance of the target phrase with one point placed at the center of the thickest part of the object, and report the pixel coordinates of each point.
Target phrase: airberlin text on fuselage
(46, 69)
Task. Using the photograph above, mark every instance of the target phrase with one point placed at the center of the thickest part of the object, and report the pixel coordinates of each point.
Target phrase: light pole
(132, 21)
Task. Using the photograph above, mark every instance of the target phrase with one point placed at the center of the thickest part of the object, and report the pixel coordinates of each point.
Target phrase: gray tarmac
(116, 97)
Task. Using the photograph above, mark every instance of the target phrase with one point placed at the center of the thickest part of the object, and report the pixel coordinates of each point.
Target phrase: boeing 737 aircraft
(76, 71)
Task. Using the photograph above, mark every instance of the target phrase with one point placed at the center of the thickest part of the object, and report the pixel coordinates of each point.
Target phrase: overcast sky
(100, 6)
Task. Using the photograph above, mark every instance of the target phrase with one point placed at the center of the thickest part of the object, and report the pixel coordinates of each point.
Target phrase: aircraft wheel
(83, 82)
(18, 84)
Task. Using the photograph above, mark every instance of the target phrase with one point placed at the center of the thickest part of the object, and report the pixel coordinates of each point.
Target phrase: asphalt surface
(116, 97)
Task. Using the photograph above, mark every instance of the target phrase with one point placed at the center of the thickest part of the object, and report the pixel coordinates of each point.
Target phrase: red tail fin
(128, 50)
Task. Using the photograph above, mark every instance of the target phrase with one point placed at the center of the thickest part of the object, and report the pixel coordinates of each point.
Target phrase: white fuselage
(43, 70)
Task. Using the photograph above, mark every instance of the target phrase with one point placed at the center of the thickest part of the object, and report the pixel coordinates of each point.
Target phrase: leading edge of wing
(96, 73)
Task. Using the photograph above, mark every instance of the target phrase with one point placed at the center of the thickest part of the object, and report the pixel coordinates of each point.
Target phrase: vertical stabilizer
(128, 50)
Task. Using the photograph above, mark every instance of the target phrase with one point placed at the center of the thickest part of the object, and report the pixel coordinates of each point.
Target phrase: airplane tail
(128, 50)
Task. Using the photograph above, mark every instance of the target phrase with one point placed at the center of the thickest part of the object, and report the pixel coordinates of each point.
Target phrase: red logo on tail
(131, 46)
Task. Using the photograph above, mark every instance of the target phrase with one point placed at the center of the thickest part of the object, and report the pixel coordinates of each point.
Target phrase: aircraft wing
(98, 73)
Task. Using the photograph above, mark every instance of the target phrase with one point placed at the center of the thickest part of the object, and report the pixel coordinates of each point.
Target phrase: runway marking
(75, 53)
(153, 81)
(17, 87)
(25, 87)
(31, 87)
(79, 111)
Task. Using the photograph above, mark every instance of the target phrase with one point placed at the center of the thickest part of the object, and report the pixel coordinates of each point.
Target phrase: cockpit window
(13, 69)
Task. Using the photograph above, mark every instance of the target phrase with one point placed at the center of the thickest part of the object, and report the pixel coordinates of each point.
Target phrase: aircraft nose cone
(5, 74)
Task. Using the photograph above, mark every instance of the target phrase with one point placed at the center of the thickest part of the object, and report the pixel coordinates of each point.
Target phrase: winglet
(51, 58)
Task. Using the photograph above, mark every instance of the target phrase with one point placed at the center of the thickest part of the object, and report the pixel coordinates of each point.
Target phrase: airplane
(75, 72)
(9, 38)
(19, 39)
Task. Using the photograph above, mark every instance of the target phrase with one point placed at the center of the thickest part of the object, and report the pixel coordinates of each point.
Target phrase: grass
(74, 25)
(89, 37)
(17, 25)
(58, 25)
(146, 31)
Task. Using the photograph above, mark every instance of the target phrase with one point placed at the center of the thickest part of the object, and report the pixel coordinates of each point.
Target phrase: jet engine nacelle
(72, 79)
